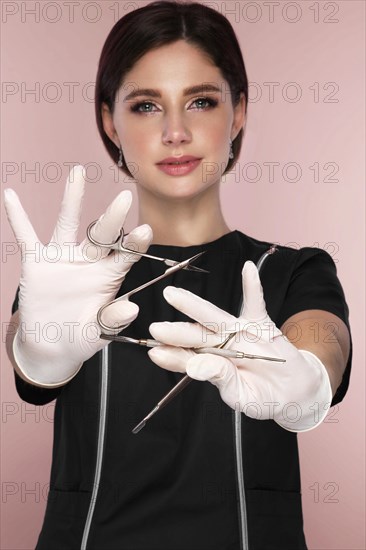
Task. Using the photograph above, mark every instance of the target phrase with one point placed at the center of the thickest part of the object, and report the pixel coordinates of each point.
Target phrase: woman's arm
(325, 335)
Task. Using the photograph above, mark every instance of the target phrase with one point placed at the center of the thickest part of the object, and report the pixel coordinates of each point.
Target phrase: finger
(254, 305)
(138, 239)
(108, 226)
(19, 221)
(197, 308)
(170, 358)
(213, 368)
(221, 372)
(119, 314)
(189, 335)
(68, 221)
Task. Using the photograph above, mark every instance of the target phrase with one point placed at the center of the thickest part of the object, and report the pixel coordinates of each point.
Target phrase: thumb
(138, 240)
(254, 305)
(119, 314)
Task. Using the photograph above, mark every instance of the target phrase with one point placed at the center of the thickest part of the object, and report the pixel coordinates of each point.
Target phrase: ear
(239, 117)
(108, 124)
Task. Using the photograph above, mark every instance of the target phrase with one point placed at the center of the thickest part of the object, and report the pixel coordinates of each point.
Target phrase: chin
(174, 190)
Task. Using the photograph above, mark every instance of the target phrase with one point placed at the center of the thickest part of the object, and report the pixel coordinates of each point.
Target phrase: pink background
(317, 51)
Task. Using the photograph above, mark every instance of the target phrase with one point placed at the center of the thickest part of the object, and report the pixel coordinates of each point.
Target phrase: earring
(120, 161)
(231, 154)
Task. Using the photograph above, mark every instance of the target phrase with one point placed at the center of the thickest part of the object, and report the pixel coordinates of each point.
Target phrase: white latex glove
(63, 284)
(296, 394)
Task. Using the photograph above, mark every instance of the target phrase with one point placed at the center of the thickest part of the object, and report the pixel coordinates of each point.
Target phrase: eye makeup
(211, 103)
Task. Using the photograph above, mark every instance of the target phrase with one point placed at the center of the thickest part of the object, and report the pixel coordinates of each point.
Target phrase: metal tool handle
(166, 399)
(187, 379)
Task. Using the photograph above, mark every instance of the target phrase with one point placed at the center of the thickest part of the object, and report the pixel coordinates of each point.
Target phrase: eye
(137, 107)
(147, 107)
(205, 103)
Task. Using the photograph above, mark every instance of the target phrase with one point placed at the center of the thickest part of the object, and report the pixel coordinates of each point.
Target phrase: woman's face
(156, 117)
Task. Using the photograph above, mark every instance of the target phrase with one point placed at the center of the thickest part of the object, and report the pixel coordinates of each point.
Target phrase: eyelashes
(210, 104)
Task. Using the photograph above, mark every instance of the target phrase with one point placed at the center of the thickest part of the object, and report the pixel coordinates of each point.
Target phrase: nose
(175, 130)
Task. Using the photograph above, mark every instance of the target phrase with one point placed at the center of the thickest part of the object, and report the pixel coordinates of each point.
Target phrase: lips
(178, 166)
(178, 160)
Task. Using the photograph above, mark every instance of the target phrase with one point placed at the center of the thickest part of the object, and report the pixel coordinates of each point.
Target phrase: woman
(217, 469)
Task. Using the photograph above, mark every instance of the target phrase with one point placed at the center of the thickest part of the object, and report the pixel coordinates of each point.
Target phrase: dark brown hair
(158, 24)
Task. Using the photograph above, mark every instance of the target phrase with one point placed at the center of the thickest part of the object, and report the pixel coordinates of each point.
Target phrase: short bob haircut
(160, 23)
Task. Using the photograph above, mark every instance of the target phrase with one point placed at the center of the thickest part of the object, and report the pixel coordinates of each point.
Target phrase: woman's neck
(180, 221)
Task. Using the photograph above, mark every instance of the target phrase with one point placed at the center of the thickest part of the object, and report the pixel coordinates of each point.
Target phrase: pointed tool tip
(196, 256)
(139, 427)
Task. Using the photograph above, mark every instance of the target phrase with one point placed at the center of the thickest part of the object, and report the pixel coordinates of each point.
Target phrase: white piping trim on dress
(243, 523)
(100, 447)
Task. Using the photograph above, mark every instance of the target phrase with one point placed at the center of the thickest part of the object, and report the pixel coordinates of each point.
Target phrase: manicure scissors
(117, 245)
(167, 272)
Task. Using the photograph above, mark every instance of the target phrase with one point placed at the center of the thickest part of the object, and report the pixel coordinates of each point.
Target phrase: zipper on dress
(104, 377)
(242, 509)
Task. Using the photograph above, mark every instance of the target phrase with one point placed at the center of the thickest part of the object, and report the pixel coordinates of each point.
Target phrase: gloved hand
(63, 284)
(296, 394)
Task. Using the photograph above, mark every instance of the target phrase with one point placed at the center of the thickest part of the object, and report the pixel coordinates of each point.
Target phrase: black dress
(174, 485)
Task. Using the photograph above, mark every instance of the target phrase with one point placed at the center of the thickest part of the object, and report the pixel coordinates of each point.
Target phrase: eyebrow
(199, 89)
